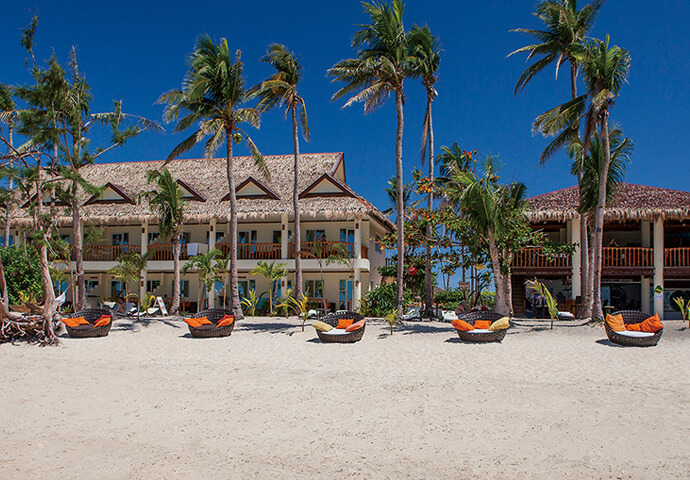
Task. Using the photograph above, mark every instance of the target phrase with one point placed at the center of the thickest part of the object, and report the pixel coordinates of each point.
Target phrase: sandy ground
(150, 402)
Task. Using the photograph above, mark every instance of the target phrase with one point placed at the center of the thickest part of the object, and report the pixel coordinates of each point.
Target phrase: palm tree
(272, 273)
(279, 90)
(167, 203)
(392, 192)
(8, 115)
(212, 94)
(222, 264)
(566, 27)
(206, 269)
(605, 70)
(426, 54)
(381, 66)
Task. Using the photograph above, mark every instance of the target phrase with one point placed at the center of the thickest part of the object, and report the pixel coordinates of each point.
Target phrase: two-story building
(646, 245)
(118, 221)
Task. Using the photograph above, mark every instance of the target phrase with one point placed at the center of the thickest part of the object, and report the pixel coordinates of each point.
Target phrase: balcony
(253, 251)
(107, 253)
(677, 257)
(323, 249)
(534, 258)
(628, 257)
(164, 252)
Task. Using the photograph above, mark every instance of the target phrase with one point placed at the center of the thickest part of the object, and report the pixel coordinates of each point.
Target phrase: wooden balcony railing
(165, 252)
(96, 253)
(533, 257)
(677, 257)
(253, 251)
(628, 257)
(327, 248)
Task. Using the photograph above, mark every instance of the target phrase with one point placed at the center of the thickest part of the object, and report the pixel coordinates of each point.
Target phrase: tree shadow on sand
(269, 327)
(133, 324)
(412, 328)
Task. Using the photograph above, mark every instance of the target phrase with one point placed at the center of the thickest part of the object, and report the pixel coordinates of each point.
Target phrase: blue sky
(135, 51)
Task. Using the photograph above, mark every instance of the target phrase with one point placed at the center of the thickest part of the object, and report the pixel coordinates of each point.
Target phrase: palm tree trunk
(296, 208)
(430, 205)
(8, 207)
(597, 313)
(234, 289)
(400, 220)
(80, 293)
(270, 296)
(500, 304)
(5, 291)
(176, 269)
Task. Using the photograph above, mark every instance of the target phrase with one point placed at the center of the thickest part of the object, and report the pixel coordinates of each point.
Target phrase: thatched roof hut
(633, 203)
(204, 182)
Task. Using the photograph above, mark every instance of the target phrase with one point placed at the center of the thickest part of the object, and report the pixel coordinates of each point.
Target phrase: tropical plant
(426, 58)
(125, 271)
(392, 191)
(252, 302)
(391, 319)
(381, 300)
(299, 305)
(684, 308)
(212, 94)
(273, 273)
(22, 272)
(551, 304)
(382, 65)
(167, 203)
(280, 90)
(605, 70)
(205, 267)
(566, 28)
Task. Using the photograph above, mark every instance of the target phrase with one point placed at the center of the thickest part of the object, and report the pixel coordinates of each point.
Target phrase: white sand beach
(150, 402)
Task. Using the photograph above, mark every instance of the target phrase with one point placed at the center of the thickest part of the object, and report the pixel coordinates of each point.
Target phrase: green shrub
(381, 300)
(22, 272)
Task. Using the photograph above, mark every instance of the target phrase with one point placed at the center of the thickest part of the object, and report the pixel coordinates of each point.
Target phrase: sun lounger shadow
(608, 343)
(412, 328)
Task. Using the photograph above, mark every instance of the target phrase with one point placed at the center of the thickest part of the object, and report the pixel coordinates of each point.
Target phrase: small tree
(252, 301)
(205, 267)
(551, 304)
(272, 273)
(125, 271)
(684, 308)
(299, 305)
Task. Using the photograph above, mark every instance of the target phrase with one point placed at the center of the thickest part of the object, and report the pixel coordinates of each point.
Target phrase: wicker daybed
(91, 315)
(211, 330)
(350, 337)
(630, 317)
(481, 337)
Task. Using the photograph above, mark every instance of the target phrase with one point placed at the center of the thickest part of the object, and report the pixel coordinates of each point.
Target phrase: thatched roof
(633, 203)
(205, 182)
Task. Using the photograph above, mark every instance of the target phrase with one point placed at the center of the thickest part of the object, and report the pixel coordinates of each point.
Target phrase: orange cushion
(71, 322)
(633, 327)
(482, 324)
(204, 321)
(615, 322)
(652, 324)
(192, 322)
(462, 325)
(344, 322)
(355, 326)
(102, 321)
(225, 321)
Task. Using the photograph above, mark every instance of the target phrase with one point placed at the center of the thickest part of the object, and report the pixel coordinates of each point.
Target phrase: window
(247, 236)
(152, 285)
(314, 287)
(279, 288)
(347, 235)
(2, 241)
(116, 289)
(345, 295)
(184, 289)
(65, 238)
(153, 236)
(313, 235)
(242, 286)
(186, 237)
(277, 236)
(120, 239)
(91, 285)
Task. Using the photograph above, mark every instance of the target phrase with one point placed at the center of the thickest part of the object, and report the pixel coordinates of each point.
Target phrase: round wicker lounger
(208, 331)
(88, 331)
(351, 337)
(629, 317)
(470, 337)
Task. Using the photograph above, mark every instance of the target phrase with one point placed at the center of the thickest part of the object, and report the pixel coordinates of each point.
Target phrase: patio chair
(338, 335)
(633, 339)
(481, 335)
(91, 315)
(214, 315)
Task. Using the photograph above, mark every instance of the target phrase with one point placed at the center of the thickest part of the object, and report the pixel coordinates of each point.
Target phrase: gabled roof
(252, 188)
(58, 203)
(326, 186)
(633, 202)
(118, 196)
(208, 179)
(192, 194)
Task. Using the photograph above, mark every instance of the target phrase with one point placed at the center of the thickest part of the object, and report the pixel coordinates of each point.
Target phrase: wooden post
(659, 266)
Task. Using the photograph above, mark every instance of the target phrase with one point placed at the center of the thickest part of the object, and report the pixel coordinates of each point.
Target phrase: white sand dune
(150, 402)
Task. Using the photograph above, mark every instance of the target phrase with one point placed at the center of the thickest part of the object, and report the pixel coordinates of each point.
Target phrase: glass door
(345, 295)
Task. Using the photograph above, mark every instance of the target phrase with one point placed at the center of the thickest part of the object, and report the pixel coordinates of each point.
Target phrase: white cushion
(480, 330)
(336, 331)
(566, 316)
(627, 333)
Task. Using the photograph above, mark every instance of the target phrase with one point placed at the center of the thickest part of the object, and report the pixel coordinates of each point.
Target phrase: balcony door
(246, 243)
(120, 239)
(345, 295)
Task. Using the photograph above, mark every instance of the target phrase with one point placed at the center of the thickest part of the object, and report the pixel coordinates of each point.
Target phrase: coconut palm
(212, 94)
(565, 28)
(381, 66)
(392, 192)
(272, 273)
(426, 55)
(167, 203)
(280, 90)
(205, 267)
(605, 70)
